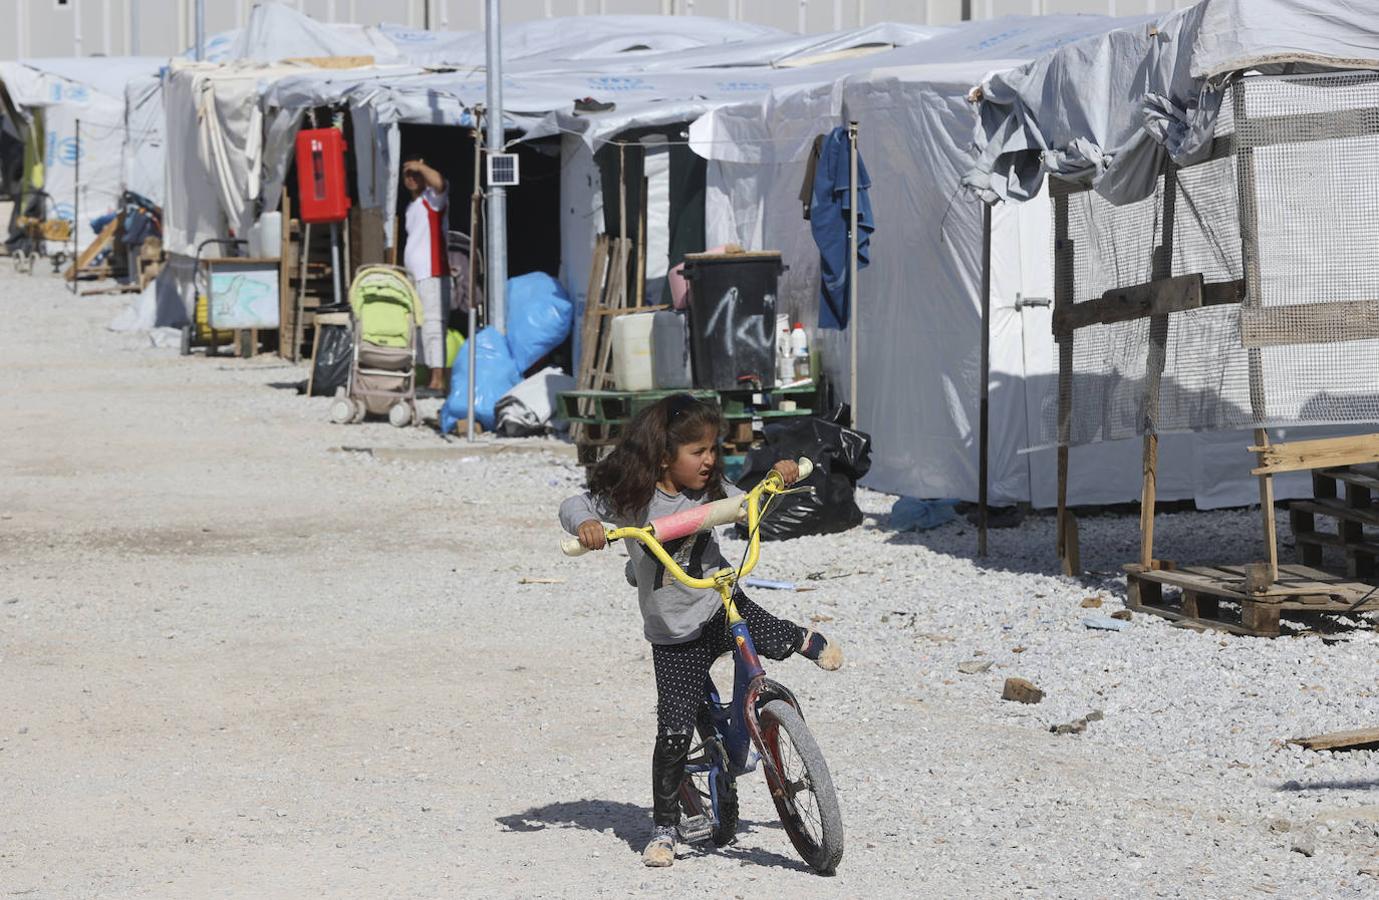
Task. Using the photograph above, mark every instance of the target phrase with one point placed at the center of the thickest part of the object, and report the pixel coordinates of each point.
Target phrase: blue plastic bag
(494, 375)
(540, 314)
(911, 514)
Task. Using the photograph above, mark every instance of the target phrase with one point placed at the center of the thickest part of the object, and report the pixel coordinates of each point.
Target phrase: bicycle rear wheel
(805, 798)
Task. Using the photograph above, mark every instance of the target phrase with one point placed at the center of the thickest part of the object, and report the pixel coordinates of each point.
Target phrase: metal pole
(201, 31)
(133, 27)
(76, 207)
(76, 28)
(497, 196)
(476, 199)
(335, 259)
(983, 413)
(854, 319)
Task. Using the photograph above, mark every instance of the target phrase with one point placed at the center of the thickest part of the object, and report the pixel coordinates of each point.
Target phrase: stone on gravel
(1124, 615)
(1076, 727)
(974, 666)
(1091, 602)
(1095, 715)
(1280, 825)
(1103, 623)
(1021, 691)
(1305, 844)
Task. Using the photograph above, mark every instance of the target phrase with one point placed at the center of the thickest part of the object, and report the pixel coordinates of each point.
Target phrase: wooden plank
(332, 62)
(1155, 361)
(286, 300)
(1309, 323)
(1266, 510)
(102, 241)
(1293, 456)
(631, 310)
(1339, 740)
(1350, 476)
(1152, 298)
(1260, 619)
(1065, 540)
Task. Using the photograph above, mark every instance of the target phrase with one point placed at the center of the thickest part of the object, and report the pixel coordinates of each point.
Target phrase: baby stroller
(383, 369)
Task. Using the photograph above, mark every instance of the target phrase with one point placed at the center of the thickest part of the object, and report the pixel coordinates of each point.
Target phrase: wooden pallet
(1202, 591)
(1346, 496)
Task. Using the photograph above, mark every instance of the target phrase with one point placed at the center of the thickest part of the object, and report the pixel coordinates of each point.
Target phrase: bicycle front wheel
(805, 798)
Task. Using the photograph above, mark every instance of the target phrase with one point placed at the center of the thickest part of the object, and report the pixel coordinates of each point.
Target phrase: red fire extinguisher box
(322, 194)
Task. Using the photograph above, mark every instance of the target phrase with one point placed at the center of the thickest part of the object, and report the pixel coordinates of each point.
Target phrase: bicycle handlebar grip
(806, 467)
(572, 547)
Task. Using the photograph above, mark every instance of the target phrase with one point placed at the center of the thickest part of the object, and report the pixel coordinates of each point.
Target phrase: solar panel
(502, 170)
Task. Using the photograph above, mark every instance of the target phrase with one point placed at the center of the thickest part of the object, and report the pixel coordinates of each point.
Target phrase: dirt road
(239, 661)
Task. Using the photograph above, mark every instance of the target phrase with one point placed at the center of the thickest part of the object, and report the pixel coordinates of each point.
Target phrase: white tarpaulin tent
(1108, 110)
(721, 62)
(66, 91)
(1111, 110)
(920, 298)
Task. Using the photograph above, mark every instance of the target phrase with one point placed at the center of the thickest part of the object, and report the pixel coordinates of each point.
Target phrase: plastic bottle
(799, 351)
(785, 363)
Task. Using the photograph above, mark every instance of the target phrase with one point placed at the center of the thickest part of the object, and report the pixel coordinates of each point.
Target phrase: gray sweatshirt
(671, 612)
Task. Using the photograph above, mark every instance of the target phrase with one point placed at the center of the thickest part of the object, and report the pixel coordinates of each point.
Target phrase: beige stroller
(383, 371)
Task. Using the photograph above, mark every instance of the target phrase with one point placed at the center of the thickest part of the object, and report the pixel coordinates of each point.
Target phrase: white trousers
(435, 308)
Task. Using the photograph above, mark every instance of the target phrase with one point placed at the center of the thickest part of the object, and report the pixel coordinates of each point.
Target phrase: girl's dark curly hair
(626, 478)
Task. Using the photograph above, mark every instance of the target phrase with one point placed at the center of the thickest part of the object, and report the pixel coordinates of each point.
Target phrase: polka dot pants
(682, 669)
(681, 673)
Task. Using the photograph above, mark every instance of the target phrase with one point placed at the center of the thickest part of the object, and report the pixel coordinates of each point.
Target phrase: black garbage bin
(732, 318)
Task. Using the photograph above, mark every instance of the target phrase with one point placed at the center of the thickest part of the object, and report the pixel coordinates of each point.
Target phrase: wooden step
(1360, 476)
(1337, 509)
(1327, 539)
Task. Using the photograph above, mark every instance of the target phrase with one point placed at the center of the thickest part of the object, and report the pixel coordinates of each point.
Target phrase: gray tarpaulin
(1107, 109)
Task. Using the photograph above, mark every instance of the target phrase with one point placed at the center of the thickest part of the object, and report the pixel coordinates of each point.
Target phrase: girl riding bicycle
(668, 461)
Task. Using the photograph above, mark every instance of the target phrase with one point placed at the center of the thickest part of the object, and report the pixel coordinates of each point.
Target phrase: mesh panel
(1303, 346)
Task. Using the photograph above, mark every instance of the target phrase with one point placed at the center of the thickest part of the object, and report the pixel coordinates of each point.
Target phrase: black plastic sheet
(332, 364)
(841, 457)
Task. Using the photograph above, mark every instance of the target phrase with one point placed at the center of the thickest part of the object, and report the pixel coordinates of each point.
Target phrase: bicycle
(763, 721)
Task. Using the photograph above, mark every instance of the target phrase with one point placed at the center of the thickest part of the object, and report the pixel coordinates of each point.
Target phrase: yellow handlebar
(773, 483)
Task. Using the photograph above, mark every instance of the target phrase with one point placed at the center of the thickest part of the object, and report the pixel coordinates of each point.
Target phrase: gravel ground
(238, 660)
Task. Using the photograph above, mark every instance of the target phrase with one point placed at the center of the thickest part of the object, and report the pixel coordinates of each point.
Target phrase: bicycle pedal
(695, 829)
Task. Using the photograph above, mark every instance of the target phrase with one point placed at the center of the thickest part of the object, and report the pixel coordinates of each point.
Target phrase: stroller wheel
(341, 410)
(400, 415)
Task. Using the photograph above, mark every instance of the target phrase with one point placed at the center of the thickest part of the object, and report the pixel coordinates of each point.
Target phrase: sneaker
(660, 850)
(830, 658)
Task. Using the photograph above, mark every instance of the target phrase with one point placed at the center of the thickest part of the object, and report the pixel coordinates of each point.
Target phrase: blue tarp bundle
(539, 317)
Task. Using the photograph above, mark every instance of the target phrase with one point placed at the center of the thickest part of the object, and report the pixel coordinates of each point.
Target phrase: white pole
(105, 27)
(837, 15)
(991, 9)
(803, 21)
(497, 280)
(330, 11)
(76, 27)
(200, 30)
(21, 31)
(445, 15)
(854, 320)
(131, 40)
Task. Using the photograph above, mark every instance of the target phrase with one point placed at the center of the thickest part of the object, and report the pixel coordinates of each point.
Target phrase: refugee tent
(46, 98)
(1111, 111)
(919, 299)
(550, 71)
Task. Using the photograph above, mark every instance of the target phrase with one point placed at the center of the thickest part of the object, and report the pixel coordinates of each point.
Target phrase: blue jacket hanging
(828, 220)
